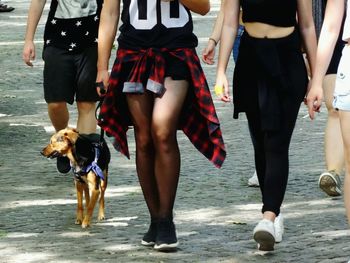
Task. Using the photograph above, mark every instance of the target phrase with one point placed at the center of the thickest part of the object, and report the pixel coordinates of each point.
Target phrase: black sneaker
(63, 165)
(166, 239)
(6, 8)
(149, 239)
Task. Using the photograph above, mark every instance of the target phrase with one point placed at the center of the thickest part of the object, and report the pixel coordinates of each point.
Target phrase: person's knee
(86, 107)
(56, 107)
(59, 115)
(163, 139)
(144, 141)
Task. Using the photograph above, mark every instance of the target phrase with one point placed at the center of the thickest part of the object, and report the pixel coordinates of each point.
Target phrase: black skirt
(267, 73)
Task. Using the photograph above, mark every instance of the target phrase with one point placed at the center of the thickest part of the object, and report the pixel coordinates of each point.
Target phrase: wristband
(218, 90)
(212, 39)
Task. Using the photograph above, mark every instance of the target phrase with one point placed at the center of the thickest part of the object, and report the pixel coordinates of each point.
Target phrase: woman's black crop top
(273, 12)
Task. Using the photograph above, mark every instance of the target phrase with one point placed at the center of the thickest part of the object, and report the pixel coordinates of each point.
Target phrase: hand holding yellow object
(218, 90)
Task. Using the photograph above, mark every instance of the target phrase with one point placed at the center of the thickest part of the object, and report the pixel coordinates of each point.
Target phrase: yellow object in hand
(218, 90)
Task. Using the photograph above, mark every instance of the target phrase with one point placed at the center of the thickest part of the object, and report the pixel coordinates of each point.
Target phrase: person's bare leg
(167, 156)
(58, 114)
(333, 142)
(345, 128)
(329, 181)
(269, 215)
(86, 122)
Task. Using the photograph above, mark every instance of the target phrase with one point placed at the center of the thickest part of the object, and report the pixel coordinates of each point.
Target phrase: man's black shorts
(69, 76)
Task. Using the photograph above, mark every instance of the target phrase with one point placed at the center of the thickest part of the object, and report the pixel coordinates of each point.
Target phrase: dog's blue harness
(93, 166)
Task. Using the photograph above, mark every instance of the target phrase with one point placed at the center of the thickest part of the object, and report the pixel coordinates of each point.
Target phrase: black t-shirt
(155, 23)
(73, 24)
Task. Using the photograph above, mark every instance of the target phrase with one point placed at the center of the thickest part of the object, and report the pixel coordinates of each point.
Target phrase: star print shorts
(342, 85)
(70, 76)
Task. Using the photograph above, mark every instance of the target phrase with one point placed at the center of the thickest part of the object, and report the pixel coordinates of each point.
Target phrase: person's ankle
(269, 215)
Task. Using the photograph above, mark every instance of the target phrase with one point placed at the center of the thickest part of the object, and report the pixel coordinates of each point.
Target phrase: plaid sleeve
(200, 122)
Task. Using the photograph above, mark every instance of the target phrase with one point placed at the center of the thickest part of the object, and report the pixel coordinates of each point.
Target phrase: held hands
(28, 54)
(314, 99)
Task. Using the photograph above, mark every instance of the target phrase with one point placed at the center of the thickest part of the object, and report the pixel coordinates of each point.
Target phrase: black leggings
(271, 151)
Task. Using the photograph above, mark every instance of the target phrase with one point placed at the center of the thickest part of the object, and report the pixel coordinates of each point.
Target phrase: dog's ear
(67, 138)
(71, 136)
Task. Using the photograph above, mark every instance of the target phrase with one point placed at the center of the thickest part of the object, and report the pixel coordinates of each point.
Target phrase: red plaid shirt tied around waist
(198, 119)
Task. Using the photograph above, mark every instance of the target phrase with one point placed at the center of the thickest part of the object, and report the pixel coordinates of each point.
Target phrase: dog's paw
(101, 217)
(78, 221)
(85, 224)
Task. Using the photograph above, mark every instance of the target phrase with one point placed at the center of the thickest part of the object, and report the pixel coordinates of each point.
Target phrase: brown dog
(89, 157)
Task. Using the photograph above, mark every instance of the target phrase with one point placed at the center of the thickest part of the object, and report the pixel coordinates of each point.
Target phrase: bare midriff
(261, 30)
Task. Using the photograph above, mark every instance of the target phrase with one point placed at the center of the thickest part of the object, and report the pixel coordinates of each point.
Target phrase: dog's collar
(93, 166)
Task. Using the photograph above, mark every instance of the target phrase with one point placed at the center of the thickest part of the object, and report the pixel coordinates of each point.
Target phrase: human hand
(102, 82)
(208, 53)
(307, 92)
(28, 54)
(314, 100)
(221, 88)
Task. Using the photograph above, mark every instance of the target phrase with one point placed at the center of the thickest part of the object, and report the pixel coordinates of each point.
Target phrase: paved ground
(215, 210)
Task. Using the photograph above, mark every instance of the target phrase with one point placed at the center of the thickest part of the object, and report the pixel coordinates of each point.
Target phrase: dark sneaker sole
(166, 247)
(265, 240)
(329, 184)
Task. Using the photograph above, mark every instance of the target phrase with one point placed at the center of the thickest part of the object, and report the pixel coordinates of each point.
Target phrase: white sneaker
(264, 235)
(279, 228)
(253, 181)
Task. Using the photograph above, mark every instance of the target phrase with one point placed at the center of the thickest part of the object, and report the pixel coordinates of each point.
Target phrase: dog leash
(96, 145)
(103, 92)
